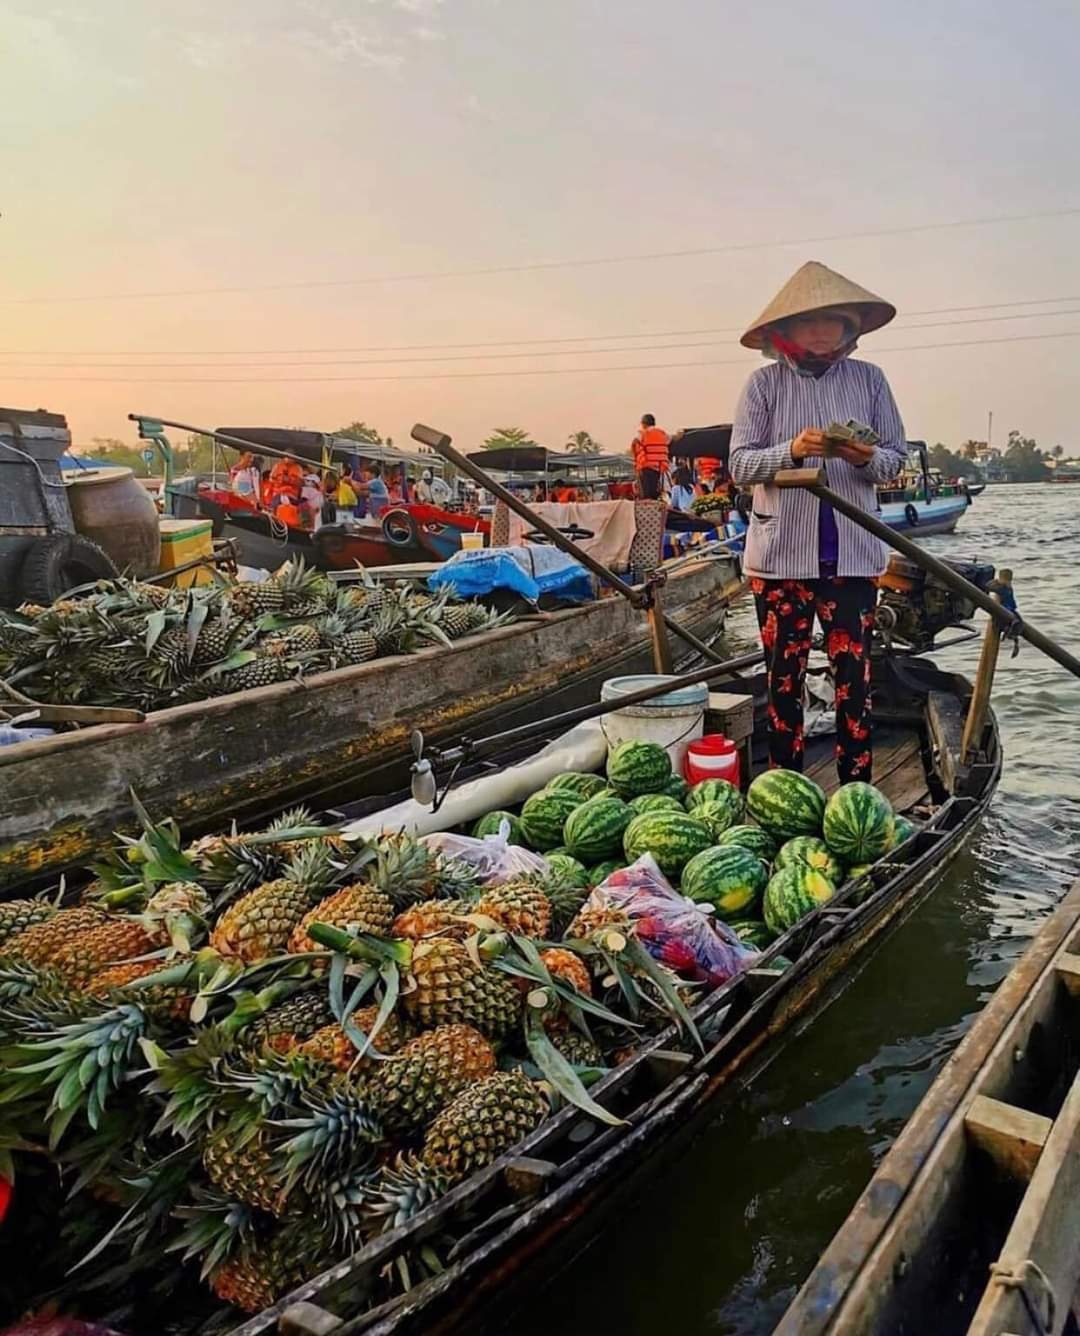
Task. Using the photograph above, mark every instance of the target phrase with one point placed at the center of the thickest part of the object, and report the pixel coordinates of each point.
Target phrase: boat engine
(914, 607)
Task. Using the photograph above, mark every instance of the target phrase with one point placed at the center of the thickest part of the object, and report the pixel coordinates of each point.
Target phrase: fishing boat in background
(971, 1224)
(921, 502)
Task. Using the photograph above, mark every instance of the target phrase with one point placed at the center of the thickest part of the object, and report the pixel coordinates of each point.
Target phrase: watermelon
(635, 767)
(786, 804)
(568, 869)
(595, 829)
(602, 871)
(859, 824)
(728, 878)
(716, 816)
(811, 852)
(752, 932)
(606, 792)
(860, 870)
(561, 850)
(676, 787)
(755, 839)
(655, 802)
(544, 815)
(717, 791)
(673, 838)
(489, 825)
(793, 892)
(904, 829)
(588, 786)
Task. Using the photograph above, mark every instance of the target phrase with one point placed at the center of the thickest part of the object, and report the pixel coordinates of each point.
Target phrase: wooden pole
(984, 681)
(661, 646)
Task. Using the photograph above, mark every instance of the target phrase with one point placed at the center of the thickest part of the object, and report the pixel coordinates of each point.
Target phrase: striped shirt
(776, 404)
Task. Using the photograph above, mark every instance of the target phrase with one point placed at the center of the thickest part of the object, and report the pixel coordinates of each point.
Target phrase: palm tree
(503, 438)
(582, 443)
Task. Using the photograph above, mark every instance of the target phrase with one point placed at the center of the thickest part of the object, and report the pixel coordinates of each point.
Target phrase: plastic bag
(678, 932)
(494, 859)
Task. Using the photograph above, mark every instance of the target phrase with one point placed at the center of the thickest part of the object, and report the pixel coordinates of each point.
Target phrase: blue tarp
(68, 462)
(528, 571)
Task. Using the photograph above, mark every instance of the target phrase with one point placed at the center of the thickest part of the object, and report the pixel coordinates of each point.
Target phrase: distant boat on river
(921, 502)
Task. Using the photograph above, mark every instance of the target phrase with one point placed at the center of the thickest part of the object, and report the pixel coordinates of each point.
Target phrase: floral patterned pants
(845, 609)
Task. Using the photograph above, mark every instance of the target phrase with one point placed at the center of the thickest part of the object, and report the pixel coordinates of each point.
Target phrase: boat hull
(921, 519)
(233, 756)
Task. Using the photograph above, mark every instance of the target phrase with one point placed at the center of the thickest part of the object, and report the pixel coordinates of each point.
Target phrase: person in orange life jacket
(650, 447)
(286, 483)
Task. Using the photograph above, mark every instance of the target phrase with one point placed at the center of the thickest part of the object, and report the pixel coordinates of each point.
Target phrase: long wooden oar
(813, 479)
(647, 598)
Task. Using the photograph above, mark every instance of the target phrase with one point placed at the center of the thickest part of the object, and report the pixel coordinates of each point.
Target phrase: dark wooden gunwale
(63, 798)
(665, 1091)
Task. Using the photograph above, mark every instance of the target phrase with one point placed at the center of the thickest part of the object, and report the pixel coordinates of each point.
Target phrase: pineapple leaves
(561, 1074)
(391, 979)
(195, 621)
(155, 627)
(662, 980)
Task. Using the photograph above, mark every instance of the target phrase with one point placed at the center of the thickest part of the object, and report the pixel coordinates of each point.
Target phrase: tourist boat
(971, 1223)
(921, 503)
(518, 1220)
(64, 796)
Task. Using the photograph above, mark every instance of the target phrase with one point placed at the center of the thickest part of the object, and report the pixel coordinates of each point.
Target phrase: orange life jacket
(651, 449)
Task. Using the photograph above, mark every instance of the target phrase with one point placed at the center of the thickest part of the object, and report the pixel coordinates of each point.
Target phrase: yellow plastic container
(183, 541)
(472, 542)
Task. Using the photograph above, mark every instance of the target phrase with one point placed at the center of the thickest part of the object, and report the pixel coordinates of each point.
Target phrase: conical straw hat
(816, 287)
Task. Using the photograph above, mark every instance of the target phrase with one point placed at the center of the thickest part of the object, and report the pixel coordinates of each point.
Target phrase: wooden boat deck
(899, 770)
(982, 1188)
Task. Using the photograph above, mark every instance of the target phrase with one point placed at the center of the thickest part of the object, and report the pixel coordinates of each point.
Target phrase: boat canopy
(538, 459)
(703, 442)
(310, 445)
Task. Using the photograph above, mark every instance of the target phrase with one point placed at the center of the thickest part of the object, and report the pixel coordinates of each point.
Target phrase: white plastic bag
(493, 858)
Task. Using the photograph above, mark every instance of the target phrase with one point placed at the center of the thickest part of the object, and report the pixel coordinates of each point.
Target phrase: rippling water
(724, 1241)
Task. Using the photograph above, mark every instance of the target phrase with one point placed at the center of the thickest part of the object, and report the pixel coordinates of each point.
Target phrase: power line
(509, 342)
(484, 375)
(470, 357)
(542, 266)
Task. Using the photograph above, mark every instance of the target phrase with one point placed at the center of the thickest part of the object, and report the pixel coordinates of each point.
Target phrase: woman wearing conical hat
(802, 558)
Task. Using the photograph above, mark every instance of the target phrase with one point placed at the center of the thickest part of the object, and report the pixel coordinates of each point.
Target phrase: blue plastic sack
(528, 571)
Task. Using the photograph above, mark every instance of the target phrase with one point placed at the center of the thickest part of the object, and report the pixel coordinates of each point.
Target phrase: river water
(721, 1245)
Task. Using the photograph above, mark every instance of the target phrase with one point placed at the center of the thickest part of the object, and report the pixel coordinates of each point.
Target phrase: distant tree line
(1021, 459)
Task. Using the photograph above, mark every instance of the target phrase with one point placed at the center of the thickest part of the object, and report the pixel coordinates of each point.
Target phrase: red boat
(408, 532)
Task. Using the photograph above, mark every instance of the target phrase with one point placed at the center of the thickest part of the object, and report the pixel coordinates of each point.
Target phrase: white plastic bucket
(673, 720)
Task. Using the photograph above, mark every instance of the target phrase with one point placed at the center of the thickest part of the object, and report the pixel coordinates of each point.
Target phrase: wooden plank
(304, 1319)
(1068, 970)
(1046, 1231)
(917, 1182)
(1012, 1137)
(945, 718)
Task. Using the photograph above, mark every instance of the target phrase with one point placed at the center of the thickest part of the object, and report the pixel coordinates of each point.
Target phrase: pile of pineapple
(142, 646)
(259, 1052)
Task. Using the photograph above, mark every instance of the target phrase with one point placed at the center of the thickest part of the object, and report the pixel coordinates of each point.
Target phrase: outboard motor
(913, 607)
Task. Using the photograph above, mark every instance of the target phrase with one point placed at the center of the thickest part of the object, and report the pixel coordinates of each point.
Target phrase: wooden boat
(516, 1220)
(972, 1222)
(64, 796)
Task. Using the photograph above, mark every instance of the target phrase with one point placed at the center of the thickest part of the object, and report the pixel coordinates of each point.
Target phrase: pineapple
(427, 1074)
(260, 1273)
(330, 1044)
(483, 1122)
(517, 906)
(303, 639)
(41, 943)
(118, 939)
(303, 590)
(287, 1025)
(172, 1001)
(405, 870)
(579, 1050)
(264, 670)
(566, 901)
(245, 1170)
(360, 906)
(233, 864)
(568, 968)
(249, 600)
(401, 1191)
(451, 987)
(442, 918)
(18, 915)
(260, 923)
(455, 621)
(604, 919)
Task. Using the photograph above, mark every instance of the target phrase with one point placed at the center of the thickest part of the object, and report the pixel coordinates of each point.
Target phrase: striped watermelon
(716, 816)
(859, 870)
(859, 824)
(728, 878)
(673, 838)
(602, 871)
(904, 829)
(489, 825)
(758, 841)
(752, 932)
(544, 815)
(676, 787)
(793, 892)
(588, 786)
(655, 802)
(568, 869)
(718, 791)
(606, 792)
(786, 804)
(635, 767)
(595, 829)
(811, 852)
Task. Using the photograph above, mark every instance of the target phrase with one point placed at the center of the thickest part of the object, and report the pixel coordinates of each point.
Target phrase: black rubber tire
(400, 529)
(911, 515)
(59, 563)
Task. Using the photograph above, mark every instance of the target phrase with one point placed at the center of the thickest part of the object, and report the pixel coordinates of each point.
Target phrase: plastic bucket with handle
(673, 720)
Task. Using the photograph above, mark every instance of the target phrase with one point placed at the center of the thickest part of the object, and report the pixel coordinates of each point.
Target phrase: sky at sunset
(314, 184)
